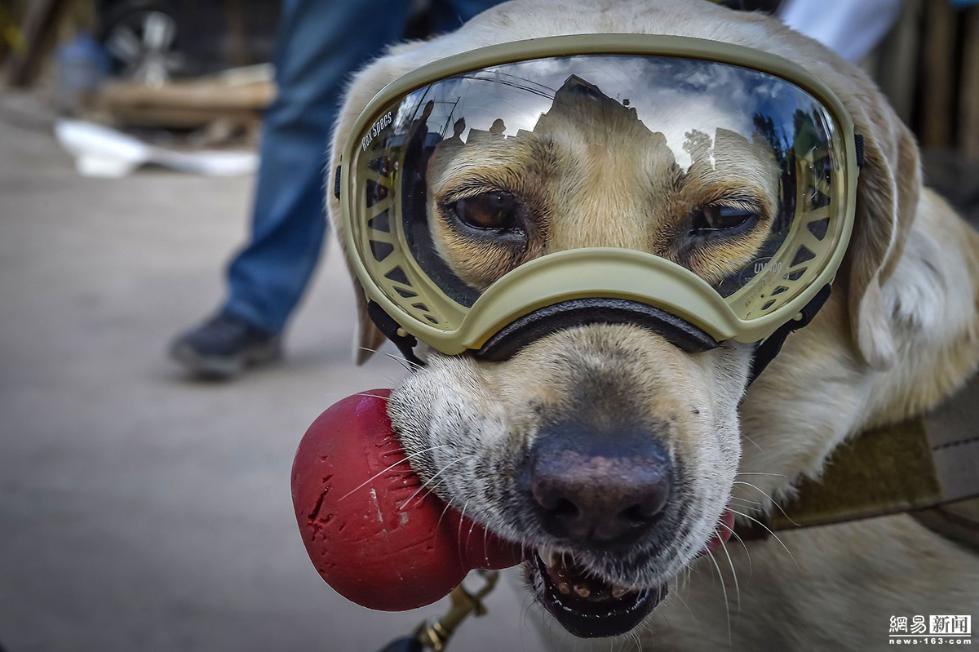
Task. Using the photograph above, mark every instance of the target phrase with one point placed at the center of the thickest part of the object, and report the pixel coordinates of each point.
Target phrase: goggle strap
(769, 348)
(405, 343)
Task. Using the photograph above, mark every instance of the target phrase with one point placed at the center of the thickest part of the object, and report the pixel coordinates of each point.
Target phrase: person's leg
(320, 43)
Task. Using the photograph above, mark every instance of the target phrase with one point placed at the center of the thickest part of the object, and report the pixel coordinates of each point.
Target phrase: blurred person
(319, 44)
(851, 29)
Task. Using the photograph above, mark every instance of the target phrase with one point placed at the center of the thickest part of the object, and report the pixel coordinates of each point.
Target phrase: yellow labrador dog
(899, 334)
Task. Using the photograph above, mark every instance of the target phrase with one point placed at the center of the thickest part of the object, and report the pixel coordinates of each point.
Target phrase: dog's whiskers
(462, 519)
(769, 497)
(404, 362)
(743, 545)
(486, 540)
(378, 396)
(405, 504)
(442, 515)
(682, 601)
(747, 500)
(769, 530)
(638, 641)
(734, 572)
(753, 443)
(432, 488)
(727, 606)
(404, 460)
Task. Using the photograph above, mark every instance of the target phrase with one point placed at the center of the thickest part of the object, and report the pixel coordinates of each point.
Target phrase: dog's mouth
(590, 607)
(585, 605)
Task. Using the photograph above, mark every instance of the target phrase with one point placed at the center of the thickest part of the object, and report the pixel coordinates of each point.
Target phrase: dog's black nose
(598, 489)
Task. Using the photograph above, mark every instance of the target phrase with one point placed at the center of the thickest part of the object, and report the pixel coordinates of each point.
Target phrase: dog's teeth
(564, 588)
(618, 591)
(582, 591)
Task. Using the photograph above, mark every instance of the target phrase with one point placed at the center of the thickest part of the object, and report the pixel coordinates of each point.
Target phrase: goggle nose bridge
(506, 342)
(531, 327)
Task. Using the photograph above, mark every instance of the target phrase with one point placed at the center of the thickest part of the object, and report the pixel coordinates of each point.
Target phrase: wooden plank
(177, 118)
(969, 85)
(197, 96)
(39, 30)
(897, 60)
(938, 83)
(239, 96)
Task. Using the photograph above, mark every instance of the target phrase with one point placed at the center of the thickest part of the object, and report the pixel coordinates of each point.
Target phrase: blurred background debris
(147, 66)
(103, 152)
(196, 74)
(928, 66)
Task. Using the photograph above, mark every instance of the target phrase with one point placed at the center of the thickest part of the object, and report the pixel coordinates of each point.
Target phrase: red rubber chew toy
(371, 531)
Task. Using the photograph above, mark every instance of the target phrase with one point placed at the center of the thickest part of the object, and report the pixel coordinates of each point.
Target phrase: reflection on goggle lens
(732, 173)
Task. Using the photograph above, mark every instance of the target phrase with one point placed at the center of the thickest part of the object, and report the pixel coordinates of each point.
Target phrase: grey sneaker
(224, 346)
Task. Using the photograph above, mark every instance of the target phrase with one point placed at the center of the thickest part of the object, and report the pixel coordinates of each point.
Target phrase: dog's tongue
(372, 531)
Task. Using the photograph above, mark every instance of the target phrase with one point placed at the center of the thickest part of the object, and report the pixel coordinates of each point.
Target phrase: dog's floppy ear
(887, 198)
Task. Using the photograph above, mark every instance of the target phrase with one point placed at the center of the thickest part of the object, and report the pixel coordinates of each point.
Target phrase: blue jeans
(320, 43)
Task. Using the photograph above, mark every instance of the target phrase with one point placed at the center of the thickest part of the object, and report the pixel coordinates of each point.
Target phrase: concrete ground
(139, 510)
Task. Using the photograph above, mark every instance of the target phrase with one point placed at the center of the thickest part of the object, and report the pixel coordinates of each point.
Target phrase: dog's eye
(722, 218)
(495, 211)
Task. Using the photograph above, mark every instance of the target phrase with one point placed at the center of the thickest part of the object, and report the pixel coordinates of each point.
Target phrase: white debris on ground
(101, 151)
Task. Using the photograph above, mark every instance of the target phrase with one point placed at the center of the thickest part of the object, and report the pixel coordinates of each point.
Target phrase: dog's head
(605, 448)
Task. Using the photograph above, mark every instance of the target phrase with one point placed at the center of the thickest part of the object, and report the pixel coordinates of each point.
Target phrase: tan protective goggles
(662, 178)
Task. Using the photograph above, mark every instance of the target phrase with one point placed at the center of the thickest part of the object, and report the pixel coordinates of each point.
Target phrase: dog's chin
(589, 606)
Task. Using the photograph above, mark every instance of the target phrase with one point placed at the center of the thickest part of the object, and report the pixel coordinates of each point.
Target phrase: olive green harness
(927, 466)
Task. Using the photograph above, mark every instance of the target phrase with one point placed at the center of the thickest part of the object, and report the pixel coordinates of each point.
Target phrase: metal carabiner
(435, 635)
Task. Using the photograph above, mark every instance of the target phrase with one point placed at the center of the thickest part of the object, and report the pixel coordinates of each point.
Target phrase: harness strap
(926, 463)
(769, 348)
(406, 343)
